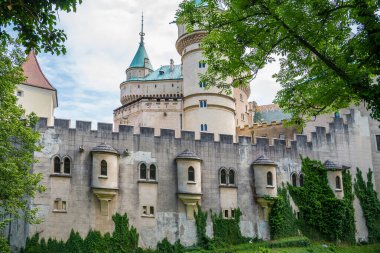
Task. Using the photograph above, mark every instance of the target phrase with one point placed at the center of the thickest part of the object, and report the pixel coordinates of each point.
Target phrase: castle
(175, 144)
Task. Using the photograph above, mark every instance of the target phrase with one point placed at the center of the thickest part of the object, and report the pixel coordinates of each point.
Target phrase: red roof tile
(33, 73)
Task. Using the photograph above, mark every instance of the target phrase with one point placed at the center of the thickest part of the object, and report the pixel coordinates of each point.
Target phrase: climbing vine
(322, 215)
(349, 225)
(282, 220)
(227, 230)
(369, 203)
(201, 223)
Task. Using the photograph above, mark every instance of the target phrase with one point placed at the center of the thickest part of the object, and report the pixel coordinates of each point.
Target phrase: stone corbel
(104, 196)
(266, 204)
(190, 201)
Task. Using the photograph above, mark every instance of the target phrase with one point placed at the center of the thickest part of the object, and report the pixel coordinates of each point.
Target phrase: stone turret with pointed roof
(36, 94)
(140, 65)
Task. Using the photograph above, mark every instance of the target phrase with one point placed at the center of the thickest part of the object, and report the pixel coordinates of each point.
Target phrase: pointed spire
(142, 34)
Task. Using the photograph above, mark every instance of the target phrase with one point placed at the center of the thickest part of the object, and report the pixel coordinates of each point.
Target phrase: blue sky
(102, 40)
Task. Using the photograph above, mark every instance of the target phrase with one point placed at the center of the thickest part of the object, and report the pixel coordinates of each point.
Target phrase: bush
(290, 242)
(165, 246)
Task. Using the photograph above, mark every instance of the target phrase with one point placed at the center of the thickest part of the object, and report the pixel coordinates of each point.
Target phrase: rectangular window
(56, 204)
(378, 142)
(232, 213)
(242, 117)
(20, 93)
(226, 214)
(202, 64)
(151, 210)
(144, 210)
(64, 205)
(202, 84)
(202, 103)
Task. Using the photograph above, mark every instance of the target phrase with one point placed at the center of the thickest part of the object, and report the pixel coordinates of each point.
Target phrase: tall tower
(203, 110)
(140, 65)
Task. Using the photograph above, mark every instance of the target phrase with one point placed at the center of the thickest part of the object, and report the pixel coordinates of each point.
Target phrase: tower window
(269, 179)
(202, 84)
(202, 103)
(202, 64)
(338, 185)
(191, 174)
(203, 127)
(103, 168)
(378, 142)
(57, 165)
(66, 165)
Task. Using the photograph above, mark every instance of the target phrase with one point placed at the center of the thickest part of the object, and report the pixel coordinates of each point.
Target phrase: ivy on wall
(322, 216)
(282, 220)
(369, 203)
(227, 230)
(349, 225)
(200, 218)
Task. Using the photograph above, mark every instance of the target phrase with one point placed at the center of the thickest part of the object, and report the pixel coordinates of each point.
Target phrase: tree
(18, 142)
(34, 22)
(328, 50)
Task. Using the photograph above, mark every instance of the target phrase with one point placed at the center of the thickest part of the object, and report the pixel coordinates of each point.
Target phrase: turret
(189, 180)
(334, 177)
(265, 183)
(105, 175)
(205, 110)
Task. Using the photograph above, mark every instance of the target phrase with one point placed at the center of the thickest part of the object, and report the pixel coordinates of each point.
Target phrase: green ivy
(4, 247)
(166, 247)
(322, 216)
(282, 220)
(349, 225)
(201, 223)
(227, 230)
(369, 203)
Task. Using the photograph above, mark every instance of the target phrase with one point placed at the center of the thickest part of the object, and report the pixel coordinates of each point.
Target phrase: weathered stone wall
(344, 142)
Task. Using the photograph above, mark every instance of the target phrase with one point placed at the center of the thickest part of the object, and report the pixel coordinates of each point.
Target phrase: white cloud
(103, 37)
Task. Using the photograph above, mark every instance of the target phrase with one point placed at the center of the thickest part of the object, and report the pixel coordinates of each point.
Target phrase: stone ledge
(61, 175)
(147, 181)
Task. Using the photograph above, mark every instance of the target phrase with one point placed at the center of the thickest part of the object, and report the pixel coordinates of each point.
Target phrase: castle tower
(204, 110)
(140, 65)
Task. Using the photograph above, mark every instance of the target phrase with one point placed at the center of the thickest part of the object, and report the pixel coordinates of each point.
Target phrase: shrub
(290, 242)
(165, 246)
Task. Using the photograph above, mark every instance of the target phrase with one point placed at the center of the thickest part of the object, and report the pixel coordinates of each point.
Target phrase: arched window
(301, 179)
(269, 179)
(152, 172)
(337, 183)
(191, 174)
(294, 179)
(231, 177)
(103, 168)
(57, 165)
(143, 171)
(223, 176)
(205, 127)
(66, 165)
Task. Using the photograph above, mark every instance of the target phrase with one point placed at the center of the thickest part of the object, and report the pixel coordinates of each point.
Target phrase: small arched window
(338, 185)
(66, 165)
(143, 171)
(223, 176)
(294, 179)
(231, 177)
(152, 172)
(103, 168)
(57, 165)
(191, 174)
(301, 180)
(270, 178)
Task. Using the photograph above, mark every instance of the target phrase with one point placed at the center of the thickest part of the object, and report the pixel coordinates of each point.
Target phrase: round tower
(203, 110)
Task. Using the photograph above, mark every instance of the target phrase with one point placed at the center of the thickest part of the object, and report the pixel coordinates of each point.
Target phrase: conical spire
(141, 59)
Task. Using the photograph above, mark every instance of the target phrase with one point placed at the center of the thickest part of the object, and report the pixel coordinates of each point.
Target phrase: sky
(103, 37)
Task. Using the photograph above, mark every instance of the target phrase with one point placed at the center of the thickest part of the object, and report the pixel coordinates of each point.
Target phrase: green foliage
(322, 216)
(349, 224)
(227, 230)
(124, 237)
(282, 220)
(35, 23)
(290, 242)
(123, 240)
(325, 63)
(18, 143)
(166, 247)
(369, 203)
(4, 247)
(201, 223)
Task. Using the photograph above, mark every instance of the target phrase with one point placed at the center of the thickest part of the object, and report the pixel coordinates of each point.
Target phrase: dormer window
(161, 72)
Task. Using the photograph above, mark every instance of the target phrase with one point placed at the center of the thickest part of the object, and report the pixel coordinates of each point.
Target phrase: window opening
(103, 168)
(337, 183)
(191, 174)
(143, 171)
(57, 165)
(294, 179)
(269, 179)
(223, 177)
(231, 177)
(152, 172)
(66, 165)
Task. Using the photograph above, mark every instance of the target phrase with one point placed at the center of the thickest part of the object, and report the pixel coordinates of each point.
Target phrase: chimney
(171, 65)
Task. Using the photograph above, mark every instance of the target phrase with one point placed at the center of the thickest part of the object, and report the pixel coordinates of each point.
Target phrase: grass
(281, 246)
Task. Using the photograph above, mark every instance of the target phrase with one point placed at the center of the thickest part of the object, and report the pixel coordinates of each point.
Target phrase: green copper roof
(163, 73)
(139, 59)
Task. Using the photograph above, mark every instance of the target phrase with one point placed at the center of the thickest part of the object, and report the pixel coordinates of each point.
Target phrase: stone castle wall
(342, 142)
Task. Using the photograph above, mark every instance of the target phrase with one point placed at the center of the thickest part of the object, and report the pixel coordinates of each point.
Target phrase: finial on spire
(142, 34)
